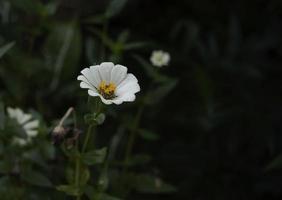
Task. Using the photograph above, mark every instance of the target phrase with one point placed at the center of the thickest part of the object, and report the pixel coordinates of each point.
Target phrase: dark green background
(221, 126)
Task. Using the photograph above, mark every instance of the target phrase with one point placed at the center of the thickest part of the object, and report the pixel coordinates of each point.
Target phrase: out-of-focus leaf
(91, 50)
(160, 92)
(94, 156)
(148, 135)
(135, 45)
(115, 7)
(92, 194)
(95, 119)
(36, 178)
(71, 190)
(149, 184)
(62, 51)
(29, 6)
(140, 159)
(150, 70)
(5, 166)
(6, 48)
(204, 84)
(2, 116)
(84, 176)
(275, 164)
(98, 19)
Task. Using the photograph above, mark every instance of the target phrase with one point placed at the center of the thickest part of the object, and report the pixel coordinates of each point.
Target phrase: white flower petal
(105, 71)
(128, 97)
(130, 87)
(19, 115)
(93, 93)
(11, 112)
(31, 125)
(106, 101)
(88, 75)
(129, 78)
(83, 79)
(160, 58)
(25, 118)
(87, 86)
(96, 75)
(19, 141)
(118, 74)
(31, 133)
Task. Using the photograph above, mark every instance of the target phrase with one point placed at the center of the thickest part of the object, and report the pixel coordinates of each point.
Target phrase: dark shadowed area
(211, 132)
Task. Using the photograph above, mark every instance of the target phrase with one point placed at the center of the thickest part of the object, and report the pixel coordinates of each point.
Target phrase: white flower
(160, 58)
(25, 120)
(109, 82)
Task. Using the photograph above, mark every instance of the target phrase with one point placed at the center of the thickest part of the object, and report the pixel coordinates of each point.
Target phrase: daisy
(25, 120)
(160, 58)
(110, 82)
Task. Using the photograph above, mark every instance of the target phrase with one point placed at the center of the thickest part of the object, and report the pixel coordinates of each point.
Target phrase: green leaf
(150, 70)
(109, 197)
(83, 178)
(94, 157)
(36, 178)
(135, 45)
(204, 84)
(95, 119)
(140, 159)
(29, 6)
(276, 163)
(5, 166)
(6, 48)
(93, 194)
(115, 7)
(148, 135)
(2, 116)
(71, 190)
(62, 51)
(149, 184)
(160, 92)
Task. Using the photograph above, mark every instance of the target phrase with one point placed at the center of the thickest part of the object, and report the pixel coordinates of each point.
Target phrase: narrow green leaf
(93, 194)
(62, 51)
(115, 7)
(71, 190)
(140, 159)
(161, 91)
(36, 178)
(2, 116)
(150, 70)
(94, 156)
(148, 135)
(150, 184)
(6, 48)
(276, 163)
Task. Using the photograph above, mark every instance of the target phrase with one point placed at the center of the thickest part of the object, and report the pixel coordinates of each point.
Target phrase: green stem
(77, 171)
(86, 138)
(132, 137)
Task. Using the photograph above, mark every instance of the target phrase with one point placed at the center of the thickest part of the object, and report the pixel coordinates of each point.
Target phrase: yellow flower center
(107, 90)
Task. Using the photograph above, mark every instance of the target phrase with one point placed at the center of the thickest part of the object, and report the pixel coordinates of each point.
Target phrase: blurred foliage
(210, 123)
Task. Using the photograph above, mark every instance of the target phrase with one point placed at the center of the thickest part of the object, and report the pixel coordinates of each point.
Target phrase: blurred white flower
(25, 120)
(160, 58)
(20, 141)
(110, 82)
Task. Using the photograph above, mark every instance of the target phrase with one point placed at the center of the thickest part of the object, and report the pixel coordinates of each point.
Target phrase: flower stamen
(107, 90)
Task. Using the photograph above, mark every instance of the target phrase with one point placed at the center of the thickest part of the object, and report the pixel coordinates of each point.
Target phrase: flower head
(25, 120)
(160, 58)
(110, 82)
